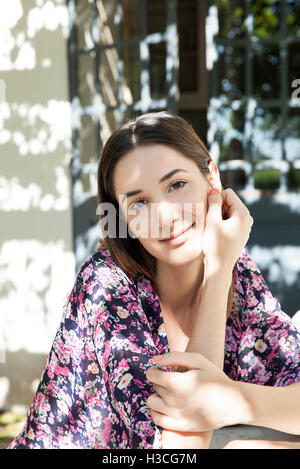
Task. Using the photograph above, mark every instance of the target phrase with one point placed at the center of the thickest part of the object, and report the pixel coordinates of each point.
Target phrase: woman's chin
(185, 257)
(177, 252)
(181, 255)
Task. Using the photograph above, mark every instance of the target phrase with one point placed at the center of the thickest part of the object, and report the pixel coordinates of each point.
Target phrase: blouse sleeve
(93, 390)
(269, 343)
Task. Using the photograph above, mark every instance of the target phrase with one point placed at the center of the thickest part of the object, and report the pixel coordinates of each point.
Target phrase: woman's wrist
(244, 412)
(208, 334)
(217, 273)
(188, 440)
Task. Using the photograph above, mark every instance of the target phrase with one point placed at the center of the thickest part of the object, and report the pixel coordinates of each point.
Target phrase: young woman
(179, 281)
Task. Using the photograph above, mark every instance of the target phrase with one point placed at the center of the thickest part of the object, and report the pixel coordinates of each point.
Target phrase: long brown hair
(151, 128)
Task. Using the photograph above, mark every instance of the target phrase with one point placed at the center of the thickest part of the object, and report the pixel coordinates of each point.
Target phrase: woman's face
(162, 194)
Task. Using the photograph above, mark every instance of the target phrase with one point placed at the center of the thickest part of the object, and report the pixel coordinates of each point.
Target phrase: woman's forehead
(149, 162)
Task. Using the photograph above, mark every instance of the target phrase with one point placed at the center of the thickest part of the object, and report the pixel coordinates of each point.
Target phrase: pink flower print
(107, 430)
(123, 363)
(284, 343)
(124, 440)
(107, 296)
(260, 345)
(251, 265)
(106, 354)
(238, 287)
(272, 337)
(125, 380)
(272, 355)
(88, 305)
(248, 358)
(256, 282)
(262, 375)
(93, 368)
(162, 330)
(246, 341)
(270, 302)
(146, 285)
(62, 406)
(122, 312)
(105, 278)
(251, 300)
(31, 434)
(87, 272)
(58, 370)
(96, 416)
(277, 323)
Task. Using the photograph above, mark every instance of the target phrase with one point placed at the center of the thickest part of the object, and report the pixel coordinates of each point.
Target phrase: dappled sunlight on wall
(16, 49)
(281, 266)
(282, 263)
(37, 265)
(14, 196)
(37, 280)
(51, 120)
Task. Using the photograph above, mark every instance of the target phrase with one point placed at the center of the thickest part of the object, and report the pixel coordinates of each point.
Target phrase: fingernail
(157, 357)
(213, 190)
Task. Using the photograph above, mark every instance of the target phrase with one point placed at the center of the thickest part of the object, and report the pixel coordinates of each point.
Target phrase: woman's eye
(178, 182)
(136, 205)
(137, 202)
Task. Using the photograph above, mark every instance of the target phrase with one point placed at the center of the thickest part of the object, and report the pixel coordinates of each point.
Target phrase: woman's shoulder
(100, 267)
(247, 275)
(246, 266)
(251, 292)
(100, 285)
(256, 302)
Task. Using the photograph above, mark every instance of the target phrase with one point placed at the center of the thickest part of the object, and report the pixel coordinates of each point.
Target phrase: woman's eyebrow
(167, 176)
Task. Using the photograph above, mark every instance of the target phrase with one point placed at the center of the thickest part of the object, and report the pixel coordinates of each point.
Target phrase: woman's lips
(177, 238)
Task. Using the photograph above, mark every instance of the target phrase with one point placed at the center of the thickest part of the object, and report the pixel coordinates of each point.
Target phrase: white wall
(36, 256)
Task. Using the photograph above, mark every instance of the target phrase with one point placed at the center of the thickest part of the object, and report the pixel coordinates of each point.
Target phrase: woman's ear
(214, 175)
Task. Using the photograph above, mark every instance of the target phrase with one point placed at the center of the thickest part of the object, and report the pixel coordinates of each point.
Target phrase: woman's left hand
(200, 399)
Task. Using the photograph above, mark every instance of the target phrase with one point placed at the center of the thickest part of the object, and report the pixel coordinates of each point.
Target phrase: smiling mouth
(177, 235)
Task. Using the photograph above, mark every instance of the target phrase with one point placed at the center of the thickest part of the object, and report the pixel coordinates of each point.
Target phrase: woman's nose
(168, 215)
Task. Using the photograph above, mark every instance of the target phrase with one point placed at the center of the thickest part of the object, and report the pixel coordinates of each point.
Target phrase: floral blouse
(93, 389)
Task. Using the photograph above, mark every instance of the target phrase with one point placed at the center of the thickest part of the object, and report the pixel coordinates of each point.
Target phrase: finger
(172, 423)
(237, 213)
(162, 378)
(186, 359)
(160, 390)
(164, 421)
(233, 203)
(156, 403)
(214, 206)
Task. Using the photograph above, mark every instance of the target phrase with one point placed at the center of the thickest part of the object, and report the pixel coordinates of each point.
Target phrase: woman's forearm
(272, 407)
(208, 338)
(175, 440)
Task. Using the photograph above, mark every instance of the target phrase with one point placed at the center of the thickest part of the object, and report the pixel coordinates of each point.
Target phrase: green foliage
(266, 14)
(294, 178)
(291, 18)
(267, 179)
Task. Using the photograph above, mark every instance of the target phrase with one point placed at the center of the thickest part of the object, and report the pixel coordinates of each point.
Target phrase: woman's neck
(178, 288)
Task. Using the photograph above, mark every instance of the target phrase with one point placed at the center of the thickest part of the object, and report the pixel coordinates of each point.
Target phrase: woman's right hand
(200, 399)
(227, 229)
